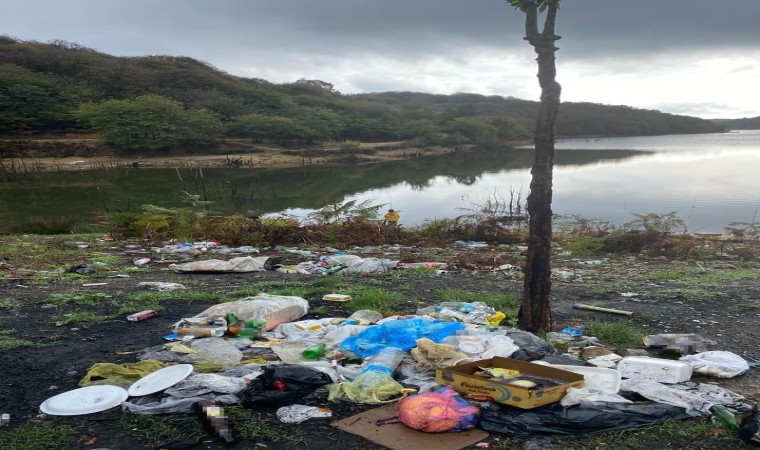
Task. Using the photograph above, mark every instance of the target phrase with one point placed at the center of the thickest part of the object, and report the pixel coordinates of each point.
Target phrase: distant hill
(747, 123)
(164, 101)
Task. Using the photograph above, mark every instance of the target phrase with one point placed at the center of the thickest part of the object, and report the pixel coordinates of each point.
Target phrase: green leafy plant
(620, 334)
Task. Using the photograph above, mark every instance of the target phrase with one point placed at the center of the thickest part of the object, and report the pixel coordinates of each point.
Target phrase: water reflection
(86, 194)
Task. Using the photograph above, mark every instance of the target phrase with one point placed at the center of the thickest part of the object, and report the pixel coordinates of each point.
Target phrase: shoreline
(232, 159)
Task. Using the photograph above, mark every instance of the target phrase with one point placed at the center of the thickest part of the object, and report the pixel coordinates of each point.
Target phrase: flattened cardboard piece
(397, 436)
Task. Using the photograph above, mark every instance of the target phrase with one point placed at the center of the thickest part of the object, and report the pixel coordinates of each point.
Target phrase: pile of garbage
(447, 368)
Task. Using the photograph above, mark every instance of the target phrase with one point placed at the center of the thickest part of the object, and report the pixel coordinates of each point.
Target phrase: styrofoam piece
(601, 378)
(654, 369)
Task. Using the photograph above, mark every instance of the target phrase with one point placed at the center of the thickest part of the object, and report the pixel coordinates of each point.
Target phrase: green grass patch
(7, 303)
(38, 437)
(83, 319)
(8, 342)
(653, 436)
(88, 299)
(142, 300)
(620, 334)
(673, 275)
(162, 428)
(385, 302)
(247, 424)
(414, 273)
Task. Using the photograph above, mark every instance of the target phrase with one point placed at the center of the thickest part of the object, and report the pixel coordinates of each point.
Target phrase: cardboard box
(462, 379)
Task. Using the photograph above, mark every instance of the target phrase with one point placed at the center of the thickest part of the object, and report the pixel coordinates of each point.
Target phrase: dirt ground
(234, 151)
(722, 305)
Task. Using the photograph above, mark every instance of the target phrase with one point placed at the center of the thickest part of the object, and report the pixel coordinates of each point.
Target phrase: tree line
(158, 102)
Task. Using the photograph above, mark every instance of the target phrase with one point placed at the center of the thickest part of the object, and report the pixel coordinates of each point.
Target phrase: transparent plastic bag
(575, 396)
(273, 309)
(717, 363)
(217, 350)
(438, 411)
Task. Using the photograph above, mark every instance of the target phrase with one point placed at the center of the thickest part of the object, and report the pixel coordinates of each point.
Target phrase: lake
(710, 180)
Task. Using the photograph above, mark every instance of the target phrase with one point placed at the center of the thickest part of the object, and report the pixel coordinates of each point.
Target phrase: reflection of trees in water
(81, 194)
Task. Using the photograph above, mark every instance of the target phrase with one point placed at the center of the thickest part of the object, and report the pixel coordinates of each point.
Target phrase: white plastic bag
(203, 383)
(499, 345)
(717, 363)
(575, 396)
(660, 393)
(239, 264)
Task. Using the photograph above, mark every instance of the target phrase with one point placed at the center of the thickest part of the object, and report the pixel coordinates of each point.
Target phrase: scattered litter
(719, 364)
(301, 413)
(239, 264)
(141, 261)
(337, 297)
(600, 309)
(160, 286)
(685, 343)
(94, 284)
(142, 315)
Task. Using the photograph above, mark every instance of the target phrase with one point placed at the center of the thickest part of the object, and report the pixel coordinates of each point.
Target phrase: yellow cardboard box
(462, 379)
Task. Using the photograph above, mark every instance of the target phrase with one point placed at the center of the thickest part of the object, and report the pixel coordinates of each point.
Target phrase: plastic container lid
(86, 400)
(160, 380)
(471, 347)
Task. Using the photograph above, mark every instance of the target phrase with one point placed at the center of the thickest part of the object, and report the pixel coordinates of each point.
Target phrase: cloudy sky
(694, 57)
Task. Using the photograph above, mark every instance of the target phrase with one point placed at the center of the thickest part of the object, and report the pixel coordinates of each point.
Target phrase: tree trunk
(534, 313)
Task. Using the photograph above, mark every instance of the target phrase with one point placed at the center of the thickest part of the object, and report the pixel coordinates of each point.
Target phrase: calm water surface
(711, 180)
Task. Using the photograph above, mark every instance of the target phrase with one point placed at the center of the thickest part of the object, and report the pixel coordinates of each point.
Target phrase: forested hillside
(153, 102)
(747, 123)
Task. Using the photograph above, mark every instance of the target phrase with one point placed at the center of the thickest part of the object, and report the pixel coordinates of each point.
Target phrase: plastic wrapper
(438, 411)
(357, 264)
(369, 387)
(575, 396)
(301, 413)
(273, 309)
(122, 375)
(556, 421)
(400, 333)
(719, 364)
(282, 385)
(658, 392)
(172, 405)
(204, 383)
(217, 350)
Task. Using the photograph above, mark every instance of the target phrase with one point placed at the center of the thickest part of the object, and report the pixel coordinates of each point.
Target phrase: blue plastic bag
(402, 333)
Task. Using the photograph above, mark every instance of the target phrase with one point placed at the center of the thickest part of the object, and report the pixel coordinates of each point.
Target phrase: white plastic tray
(595, 377)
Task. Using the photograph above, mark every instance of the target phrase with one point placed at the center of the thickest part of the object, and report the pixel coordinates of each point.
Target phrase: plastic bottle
(213, 419)
(725, 417)
(200, 331)
(315, 351)
(386, 361)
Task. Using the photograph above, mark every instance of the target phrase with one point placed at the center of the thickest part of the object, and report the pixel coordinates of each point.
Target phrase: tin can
(142, 315)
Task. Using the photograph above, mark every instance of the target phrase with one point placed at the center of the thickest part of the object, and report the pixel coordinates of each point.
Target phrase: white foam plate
(86, 400)
(160, 380)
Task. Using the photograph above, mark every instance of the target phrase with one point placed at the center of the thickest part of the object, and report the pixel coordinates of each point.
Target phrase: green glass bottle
(315, 351)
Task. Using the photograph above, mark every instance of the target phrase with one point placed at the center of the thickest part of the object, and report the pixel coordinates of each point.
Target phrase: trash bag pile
(259, 352)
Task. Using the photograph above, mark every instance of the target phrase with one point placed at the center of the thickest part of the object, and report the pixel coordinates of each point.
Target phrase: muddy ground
(717, 297)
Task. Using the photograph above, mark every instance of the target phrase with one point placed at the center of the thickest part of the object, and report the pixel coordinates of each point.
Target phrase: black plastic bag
(555, 421)
(282, 385)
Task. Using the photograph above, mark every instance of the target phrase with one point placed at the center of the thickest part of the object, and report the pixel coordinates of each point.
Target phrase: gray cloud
(351, 42)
